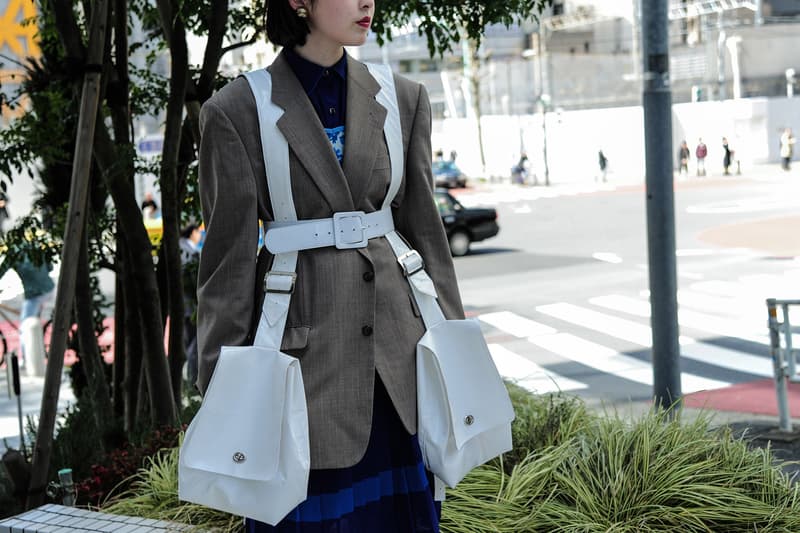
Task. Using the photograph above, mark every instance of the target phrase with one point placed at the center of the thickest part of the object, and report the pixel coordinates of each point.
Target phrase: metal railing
(784, 360)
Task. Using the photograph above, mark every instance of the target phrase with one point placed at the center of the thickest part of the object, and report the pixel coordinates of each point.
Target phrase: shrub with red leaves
(117, 466)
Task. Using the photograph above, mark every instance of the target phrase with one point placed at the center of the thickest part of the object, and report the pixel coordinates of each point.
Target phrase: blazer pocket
(295, 339)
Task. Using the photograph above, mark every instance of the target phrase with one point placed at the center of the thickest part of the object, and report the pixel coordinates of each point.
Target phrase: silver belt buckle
(348, 230)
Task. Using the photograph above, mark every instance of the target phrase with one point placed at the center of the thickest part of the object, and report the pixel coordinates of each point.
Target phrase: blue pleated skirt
(388, 491)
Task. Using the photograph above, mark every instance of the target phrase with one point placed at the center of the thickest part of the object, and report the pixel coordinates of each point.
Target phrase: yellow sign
(15, 35)
(17, 42)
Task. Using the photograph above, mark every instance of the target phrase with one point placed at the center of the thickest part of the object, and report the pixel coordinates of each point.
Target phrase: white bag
(247, 451)
(464, 414)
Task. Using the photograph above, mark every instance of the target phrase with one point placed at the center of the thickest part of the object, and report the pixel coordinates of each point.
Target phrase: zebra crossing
(514, 194)
(600, 345)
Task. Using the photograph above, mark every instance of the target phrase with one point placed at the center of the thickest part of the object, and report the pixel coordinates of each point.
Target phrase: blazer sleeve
(227, 270)
(417, 218)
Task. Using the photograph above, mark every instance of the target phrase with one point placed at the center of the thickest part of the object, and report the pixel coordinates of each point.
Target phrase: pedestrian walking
(350, 321)
(683, 158)
(603, 162)
(190, 243)
(787, 148)
(727, 158)
(700, 153)
(37, 285)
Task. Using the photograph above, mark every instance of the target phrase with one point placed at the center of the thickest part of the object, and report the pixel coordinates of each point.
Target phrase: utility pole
(657, 102)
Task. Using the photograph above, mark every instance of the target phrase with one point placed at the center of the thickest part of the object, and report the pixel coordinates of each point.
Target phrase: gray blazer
(351, 313)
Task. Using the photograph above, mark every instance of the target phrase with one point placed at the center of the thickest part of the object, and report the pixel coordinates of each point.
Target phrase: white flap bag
(247, 449)
(464, 414)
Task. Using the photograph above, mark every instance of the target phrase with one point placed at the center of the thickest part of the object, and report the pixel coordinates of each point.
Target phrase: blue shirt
(326, 88)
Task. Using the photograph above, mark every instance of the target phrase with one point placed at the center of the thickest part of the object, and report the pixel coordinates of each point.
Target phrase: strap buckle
(411, 262)
(279, 282)
(348, 230)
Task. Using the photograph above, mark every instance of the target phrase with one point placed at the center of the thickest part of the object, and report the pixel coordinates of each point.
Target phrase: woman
(352, 322)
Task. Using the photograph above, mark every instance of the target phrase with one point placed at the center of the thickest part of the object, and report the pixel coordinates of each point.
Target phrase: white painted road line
(609, 325)
(740, 329)
(609, 361)
(528, 374)
(515, 325)
(730, 359)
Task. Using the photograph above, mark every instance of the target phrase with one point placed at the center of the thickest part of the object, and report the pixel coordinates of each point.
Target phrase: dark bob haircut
(283, 26)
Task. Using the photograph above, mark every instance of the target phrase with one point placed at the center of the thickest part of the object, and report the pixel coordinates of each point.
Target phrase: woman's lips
(364, 23)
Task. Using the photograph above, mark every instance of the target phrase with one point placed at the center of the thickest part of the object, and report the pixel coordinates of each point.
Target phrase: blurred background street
(562, 291)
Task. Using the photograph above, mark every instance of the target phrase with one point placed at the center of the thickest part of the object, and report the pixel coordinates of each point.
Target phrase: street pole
(657, 102)
(544, 94)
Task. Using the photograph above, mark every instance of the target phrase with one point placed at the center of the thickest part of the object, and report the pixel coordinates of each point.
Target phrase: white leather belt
(345, 230)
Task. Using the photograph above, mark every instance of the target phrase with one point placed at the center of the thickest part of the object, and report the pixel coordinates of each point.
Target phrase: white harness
(345, 230)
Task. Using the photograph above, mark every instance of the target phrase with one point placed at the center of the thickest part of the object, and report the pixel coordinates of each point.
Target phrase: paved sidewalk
(31, 398)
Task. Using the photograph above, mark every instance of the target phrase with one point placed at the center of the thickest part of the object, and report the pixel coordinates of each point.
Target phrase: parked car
(464, 225)
(447, 174)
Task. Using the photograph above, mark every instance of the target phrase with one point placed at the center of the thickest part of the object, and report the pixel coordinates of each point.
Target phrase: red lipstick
(365, 22)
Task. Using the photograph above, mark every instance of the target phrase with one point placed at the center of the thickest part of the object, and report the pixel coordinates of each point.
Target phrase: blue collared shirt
(326, 87)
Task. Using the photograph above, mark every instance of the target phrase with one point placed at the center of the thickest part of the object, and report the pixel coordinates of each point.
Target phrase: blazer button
(368, 276)
(366, 331)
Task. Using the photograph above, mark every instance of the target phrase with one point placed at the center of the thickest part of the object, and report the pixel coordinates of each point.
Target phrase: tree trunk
(142, 277)
(120, 345)
(91, 360)
(475, 90)
(172, 23)
(133, 344)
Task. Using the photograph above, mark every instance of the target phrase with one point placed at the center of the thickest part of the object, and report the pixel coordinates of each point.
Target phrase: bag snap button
(469, 419)
(239, 457)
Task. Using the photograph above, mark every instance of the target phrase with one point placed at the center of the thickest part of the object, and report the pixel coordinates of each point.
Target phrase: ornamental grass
(652, 474)
(571, 471)
(153, 493)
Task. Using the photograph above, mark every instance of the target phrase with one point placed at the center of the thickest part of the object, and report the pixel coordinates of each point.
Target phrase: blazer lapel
(304, 133)
(363, 128)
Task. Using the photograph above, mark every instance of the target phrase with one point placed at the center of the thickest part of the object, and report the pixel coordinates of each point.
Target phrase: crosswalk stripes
(528, 374)
(556, 335)
(610, 361)
(686, 317)
(500, 194)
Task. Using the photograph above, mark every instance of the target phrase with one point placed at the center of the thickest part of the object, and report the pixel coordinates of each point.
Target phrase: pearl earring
(302, 12)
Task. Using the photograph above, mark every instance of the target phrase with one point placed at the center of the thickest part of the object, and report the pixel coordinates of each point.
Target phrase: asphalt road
(562, 291)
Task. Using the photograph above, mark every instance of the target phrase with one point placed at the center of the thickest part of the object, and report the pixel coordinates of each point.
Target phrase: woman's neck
(322, 55)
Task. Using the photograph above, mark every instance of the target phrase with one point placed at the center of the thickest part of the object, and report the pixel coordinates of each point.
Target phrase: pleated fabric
(388, 491)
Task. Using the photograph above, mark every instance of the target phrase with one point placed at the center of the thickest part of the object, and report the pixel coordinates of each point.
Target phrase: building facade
(587, 54)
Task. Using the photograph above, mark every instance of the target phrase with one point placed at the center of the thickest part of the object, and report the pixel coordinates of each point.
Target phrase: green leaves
(441, 21)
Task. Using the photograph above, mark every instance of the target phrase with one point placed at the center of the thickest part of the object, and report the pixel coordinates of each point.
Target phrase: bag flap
(237, 431)
(476, 395)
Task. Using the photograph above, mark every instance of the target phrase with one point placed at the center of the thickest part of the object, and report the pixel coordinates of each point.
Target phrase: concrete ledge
(52, 518)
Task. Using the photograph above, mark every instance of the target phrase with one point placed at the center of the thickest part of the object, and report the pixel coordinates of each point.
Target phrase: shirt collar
(309, 74)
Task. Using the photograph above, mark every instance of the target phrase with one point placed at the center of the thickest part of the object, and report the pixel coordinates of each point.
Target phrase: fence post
(779, 367)
(787, 342)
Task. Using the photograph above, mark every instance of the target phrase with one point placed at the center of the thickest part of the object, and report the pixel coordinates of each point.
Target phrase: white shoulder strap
(387, 97)
(280, 280)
